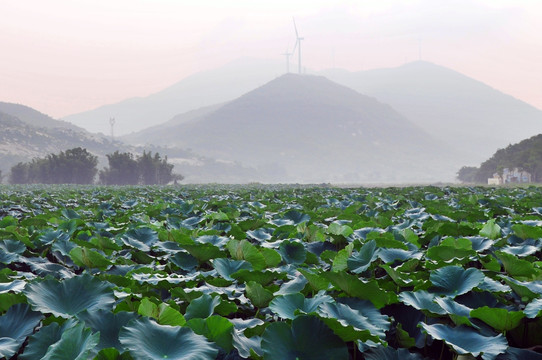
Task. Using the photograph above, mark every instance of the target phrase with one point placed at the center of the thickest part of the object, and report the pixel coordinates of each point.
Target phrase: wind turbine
(288, 54)
(298, 45)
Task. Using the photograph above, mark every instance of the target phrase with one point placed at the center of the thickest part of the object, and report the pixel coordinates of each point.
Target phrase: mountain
(33, 117)
(196, 91)
(310, 129)
(451, 107)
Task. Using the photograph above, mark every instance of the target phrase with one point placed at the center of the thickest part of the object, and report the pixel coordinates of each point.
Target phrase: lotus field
(270, 272)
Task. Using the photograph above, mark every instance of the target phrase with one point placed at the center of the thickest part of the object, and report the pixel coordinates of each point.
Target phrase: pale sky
(66, 56)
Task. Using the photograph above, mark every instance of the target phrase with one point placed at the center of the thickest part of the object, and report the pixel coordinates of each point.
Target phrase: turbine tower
(112, 123)
(288, 54)
(298, 44)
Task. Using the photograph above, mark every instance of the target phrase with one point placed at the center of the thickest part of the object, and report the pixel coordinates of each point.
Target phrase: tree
(123, 170)
(155, 170)
(467, 174)
(19, 174)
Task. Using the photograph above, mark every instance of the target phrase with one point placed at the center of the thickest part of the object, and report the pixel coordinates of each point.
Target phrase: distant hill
(33, 117)
(452, 107)
(525, 155)
(310, 129)
(196, 91)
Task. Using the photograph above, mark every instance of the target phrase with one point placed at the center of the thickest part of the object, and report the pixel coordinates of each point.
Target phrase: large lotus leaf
(528, 289)
(140, 238)
(259, 296)
(88, 258)
(517, 268)
(527, 232)
(202, 307)
(336, 228)
(204, 252)
(71, 296)
(407, 317)
(421, 300)
(360, 261)
(216, 329)
(286, 306)
(15, 325)
(307, 338)
(108, 325)
(226, 267)
(184, 260)
(44, 267)
(465, 340)
(74, 344)
(296, 217)
(454, 280)
(391, 255)
(350, 324)
(145, 340)
(39, 342)
(244, 344)
(243, 324)
(493, 286)
(521, 250)
(389, 353)
(162, 313)
(261, 234)
(244, 250)
(497, 318)
(292, 252)
(15, 286)
(292, 286)
(49, 236)
(10, 250)
(353, 286)
(479, 243)
(218, 241)
(459, 313)
(491, 230)
(533, 309)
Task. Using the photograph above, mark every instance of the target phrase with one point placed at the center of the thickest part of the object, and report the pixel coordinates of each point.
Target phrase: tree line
(525, 155)
(78, 166)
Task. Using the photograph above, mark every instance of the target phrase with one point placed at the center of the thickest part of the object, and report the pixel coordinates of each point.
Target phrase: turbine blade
(295, 46)
(295, 27)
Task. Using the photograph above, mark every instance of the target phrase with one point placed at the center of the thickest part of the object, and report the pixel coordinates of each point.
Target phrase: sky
(67, 56)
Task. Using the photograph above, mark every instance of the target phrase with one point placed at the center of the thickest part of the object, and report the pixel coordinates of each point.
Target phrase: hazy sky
(67, 56)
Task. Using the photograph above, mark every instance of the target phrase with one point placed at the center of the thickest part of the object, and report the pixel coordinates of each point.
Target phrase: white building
(514, 176)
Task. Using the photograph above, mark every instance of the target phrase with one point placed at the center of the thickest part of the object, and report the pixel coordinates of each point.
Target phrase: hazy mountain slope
(196, 91)
(34, 117)
(307, 128)
(154, 134)
(452, 107)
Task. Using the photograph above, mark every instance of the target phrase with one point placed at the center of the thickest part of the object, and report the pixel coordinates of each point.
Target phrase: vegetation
(269, 272)
(145, 169)
(73, 166)
(525, 155)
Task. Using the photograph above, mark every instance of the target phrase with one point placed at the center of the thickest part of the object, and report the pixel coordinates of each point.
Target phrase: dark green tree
(155, 170)
(467, 174)
(123, 170)
(19, 174)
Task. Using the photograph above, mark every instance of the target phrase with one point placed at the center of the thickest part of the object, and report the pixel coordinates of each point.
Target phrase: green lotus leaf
(391, 255)
(204, 252)
(108, 325)
(242, 324)
(367, 290)
(244, 250)
(526, 231)
(145, 340)
(465, 340)
(447, 253)
(162, 313)
(15, 286)
(533, 309)
(517, 268)
(421, 300)
(389, 353)
(493, 286)
(519, 354)
(292, 286)
(316, 281)
(71, 296)
(85, 257)
(528, 289)
(497, 318)
(216, 329)
(245, 345)
(361, 260)
(184, 260)
(336, 228)
(10, 250)
(39, 343)
(296, 217)
(218, 241)
(459, 313)
(140, 238)
(259, 296)
(454, 280)
(75, 344)
(307, 338)
(351, 324)
(226, 267)
(202, 307)
(491, 230)
(261, 277)
(292, 252)
(520, 251)
(15, 325)
(287, 306)
(260, 234)
(49, 236)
